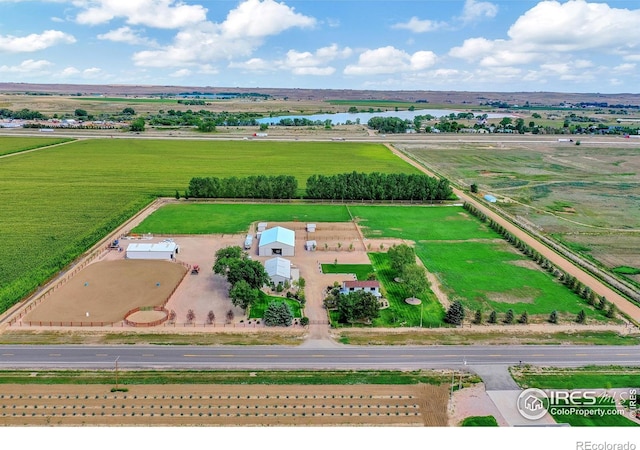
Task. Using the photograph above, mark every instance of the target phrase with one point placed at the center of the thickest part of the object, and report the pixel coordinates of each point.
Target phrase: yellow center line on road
(188, 355)
(148, 354)
(537, 354)
(55, 354)
(102, 354)
(582, 354)
(7, 354)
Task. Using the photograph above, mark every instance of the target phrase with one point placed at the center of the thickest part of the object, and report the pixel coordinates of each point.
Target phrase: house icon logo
(532, 403)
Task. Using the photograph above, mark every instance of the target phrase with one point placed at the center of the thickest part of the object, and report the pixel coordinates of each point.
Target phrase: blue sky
(472, 45)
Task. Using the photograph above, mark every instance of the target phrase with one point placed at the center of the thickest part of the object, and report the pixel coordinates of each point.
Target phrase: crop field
(59, 202)
(10, 145)
(225, 218)
(587, 196)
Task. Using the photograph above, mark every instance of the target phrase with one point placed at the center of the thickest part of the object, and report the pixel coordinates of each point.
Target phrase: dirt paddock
(106, 290)
(224, 405)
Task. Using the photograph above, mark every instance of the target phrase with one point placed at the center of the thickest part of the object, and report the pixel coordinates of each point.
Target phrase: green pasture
(400, 313)
(361, 271)
(57, 203)
(420, 223)
(492, 276)
(9, 145)
(200, 218)
(258, 308)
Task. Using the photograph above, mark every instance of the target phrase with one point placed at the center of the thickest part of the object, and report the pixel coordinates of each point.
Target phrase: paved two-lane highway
(284, 357)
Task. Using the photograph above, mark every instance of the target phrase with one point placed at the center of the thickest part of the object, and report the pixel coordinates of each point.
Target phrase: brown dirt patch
(224, 405)
(107, 290)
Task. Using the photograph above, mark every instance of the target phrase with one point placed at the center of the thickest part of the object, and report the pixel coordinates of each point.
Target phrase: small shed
(311, 227)
(161, 250)
(278, 269)
(262, 226)
(277, 241)
(490, 198)
(310, 246)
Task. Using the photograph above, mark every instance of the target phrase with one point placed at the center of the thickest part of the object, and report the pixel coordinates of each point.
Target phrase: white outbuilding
(278, 269)
(277, 241)
(161, 250)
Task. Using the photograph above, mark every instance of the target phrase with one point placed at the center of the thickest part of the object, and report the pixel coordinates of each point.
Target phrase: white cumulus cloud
(417, 25)
(127, 36)
(167, 14)
(260, 18)
(34, 42)
(387, 60)
(474, 10)
(27, 66)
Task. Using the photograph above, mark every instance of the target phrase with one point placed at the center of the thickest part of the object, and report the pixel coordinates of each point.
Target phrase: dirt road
(596, 285)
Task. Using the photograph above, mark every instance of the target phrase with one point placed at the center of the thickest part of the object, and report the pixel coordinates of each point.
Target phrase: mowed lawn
(199, 218)
(58, 201)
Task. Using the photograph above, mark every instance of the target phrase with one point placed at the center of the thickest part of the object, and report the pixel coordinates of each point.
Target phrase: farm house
(371, 286)
(277, 241)
(280, 270)
(161, 250)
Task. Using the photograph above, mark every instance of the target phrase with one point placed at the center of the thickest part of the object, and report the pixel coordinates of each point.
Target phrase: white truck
(248, 241)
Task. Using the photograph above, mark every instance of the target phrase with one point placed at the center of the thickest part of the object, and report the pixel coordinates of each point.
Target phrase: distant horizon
(565, 46)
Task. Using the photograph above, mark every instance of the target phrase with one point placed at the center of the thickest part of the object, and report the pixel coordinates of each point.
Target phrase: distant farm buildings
(277, 241)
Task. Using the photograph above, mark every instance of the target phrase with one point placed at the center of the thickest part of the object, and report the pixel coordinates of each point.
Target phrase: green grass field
(599, 415)
(361, 271)
(234, 218)
(9, 145)
(59, 201)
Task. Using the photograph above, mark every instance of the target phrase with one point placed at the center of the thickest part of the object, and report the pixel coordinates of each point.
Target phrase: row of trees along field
(378, 186)
(345, 186)
(258, 186)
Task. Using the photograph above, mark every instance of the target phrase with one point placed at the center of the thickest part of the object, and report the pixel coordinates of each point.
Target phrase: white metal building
(161, 250)
(277, 241)
(278, 269)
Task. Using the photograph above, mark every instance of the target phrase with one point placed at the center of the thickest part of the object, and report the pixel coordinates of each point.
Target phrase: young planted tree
(602, 304)
(611, 311)
(230, 316)
(455, 314)
(191, 316)
(553, 317)
(478, 317)
(508, 318)
(581, 317)
(524, 318)
(211, 317)
(493, 317)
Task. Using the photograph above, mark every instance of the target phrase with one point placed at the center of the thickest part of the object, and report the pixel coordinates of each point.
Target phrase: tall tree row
(258, 186)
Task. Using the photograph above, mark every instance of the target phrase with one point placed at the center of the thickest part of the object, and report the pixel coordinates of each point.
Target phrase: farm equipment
(115, 244)
(195, 270)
